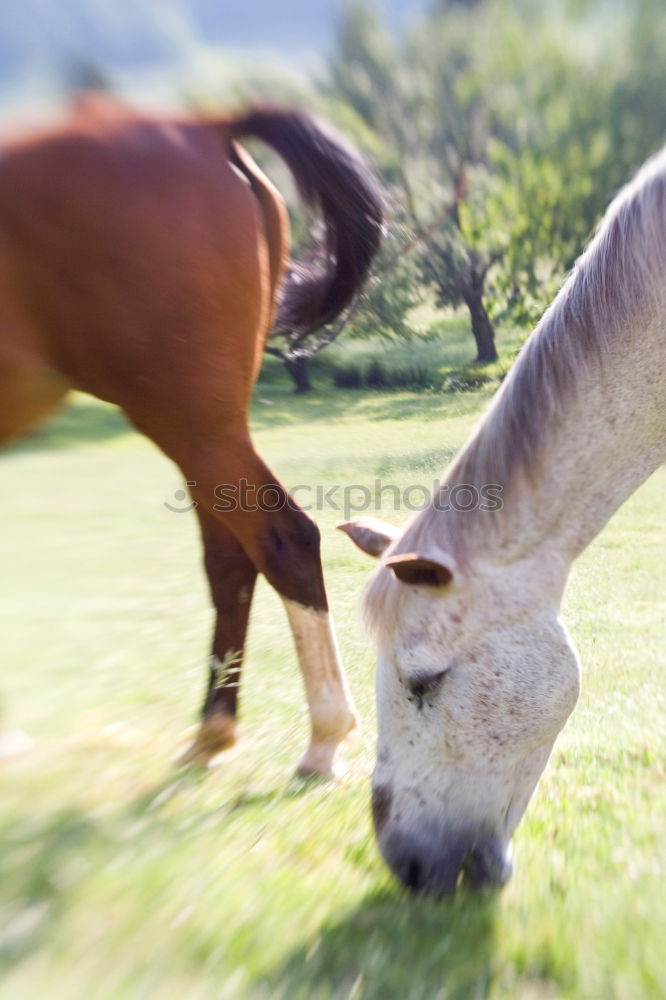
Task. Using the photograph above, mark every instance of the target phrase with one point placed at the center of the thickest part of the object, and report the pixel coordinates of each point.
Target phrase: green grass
(120, 878)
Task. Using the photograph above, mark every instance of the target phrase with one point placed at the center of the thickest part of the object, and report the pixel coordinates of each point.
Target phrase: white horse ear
(412, 568)
(371, 535)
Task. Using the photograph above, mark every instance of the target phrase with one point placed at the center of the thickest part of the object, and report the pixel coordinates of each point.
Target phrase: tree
(536, 113)
(501, 132)
(579, 104)
(394, 286)
(382, 309)
(424, 98)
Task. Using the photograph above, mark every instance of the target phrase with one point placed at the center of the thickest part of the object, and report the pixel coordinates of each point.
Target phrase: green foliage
(535, 113)
(545, 110)
(436, 362)
(581, 103)
(393, 291)
(422, 96)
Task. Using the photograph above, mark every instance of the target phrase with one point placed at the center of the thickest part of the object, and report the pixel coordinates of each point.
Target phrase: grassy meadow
(121, 877)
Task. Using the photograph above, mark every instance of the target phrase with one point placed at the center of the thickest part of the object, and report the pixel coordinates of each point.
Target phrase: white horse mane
(616, 290)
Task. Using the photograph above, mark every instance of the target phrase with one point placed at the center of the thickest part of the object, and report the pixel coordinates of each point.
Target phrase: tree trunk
(482, 329)
(299, 372)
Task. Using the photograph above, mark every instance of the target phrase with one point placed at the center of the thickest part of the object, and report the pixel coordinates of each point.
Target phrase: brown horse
(140, 261)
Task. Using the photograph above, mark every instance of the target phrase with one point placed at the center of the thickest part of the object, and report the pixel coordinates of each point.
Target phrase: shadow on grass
(81, 420)
(45, 861)
(185, 778)
(274, 406)
(391, 947)
(278, 406)
(84, 420)
(397, 947)
(34, 871)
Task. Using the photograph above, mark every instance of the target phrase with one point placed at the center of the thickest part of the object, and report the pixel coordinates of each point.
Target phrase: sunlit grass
(121, 878)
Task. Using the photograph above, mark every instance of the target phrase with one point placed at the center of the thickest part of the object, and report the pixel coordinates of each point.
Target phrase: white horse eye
(421, 686)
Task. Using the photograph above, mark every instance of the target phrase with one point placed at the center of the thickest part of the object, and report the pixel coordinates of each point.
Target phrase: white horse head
(476, 674)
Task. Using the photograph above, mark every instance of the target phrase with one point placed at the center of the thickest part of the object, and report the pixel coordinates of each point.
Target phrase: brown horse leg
(283, 543)
(297, 576)
(233, 485)
(231, 577)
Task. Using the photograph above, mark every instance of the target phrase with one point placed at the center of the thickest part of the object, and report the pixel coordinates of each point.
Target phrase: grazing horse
(140, 261)
(476, 672)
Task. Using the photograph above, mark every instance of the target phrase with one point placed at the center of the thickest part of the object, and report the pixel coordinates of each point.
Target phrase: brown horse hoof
(216, 734)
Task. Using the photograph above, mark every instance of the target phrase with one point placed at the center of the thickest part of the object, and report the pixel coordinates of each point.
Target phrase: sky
(41, 39)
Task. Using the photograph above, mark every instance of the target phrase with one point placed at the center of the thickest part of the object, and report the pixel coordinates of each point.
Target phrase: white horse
(476, 672)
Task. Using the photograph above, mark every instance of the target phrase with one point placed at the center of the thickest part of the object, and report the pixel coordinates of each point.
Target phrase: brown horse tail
(331, 176)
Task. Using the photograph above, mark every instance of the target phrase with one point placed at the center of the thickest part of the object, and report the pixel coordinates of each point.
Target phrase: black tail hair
(331, 176)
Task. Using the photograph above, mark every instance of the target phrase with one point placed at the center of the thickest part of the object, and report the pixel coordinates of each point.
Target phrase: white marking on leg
(332, 714)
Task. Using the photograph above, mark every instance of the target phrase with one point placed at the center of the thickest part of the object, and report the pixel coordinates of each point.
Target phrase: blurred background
(157, 47)
(530, 114)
